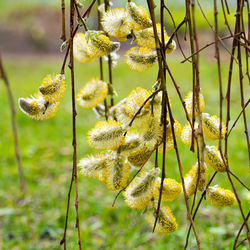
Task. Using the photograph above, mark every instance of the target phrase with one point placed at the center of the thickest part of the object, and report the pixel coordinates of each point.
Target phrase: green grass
(36, 220)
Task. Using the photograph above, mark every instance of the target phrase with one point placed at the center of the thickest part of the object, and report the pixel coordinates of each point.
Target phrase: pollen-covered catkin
(135, 100)
(220, 197)
(191, 179)
(171, 189)
(151, 132)
(186, 134)
(106, 135)
(169, 135)
(214, 159)
(140, 156)
(53, 88)
(140, 59)
(166, 222)
(140, 191)
(145, 37)
(117, 172)
(138, 16)
(94, 166)
(132, 142)
(211, 126)
(99, 45)
(116, 23)
(37, 108)
(189, 104)
(80, 48)
(92, 94)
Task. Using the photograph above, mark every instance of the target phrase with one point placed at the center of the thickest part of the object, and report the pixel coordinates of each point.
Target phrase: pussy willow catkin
(171, 189)
(106, 135)
(80, 48)
(117, 172)
(138, 16)
(214, 159)
(94, 166)
(140, 59)
(92, 94)
(220, 197)
(191, 178)
(116, 23)
(37, 108)
(166, 222)
(99, 45)
(189, 104)
(211, 126)
(139, 193)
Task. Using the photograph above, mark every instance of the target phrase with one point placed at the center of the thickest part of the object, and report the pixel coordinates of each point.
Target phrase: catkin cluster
(133, 128)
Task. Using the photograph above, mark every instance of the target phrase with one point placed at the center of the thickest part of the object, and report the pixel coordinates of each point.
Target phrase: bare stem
(14, 126)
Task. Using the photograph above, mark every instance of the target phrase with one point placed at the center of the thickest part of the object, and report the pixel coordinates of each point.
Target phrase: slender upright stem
(63, 34)
(14, 126)
(101, 61)
(74, 144)
(106, 3)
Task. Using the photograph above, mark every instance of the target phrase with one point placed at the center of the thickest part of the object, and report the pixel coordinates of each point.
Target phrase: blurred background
(30, 46)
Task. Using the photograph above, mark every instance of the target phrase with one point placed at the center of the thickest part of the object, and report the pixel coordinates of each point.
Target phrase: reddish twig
(14, 126)
(74, 114)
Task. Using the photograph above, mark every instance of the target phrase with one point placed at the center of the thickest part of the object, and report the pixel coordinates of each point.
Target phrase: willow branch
(14, 126)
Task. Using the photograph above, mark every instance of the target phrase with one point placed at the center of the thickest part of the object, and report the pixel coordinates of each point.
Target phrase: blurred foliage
(177, 8)
(36, 220)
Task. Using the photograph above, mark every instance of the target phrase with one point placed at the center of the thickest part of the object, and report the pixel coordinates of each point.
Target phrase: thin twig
(197, 208)
(63, 35)
(239, 232)
(74, 114)
(238, 117)
(14, 126)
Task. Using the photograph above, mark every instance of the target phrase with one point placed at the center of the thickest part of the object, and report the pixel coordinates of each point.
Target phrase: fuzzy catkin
(171, 189)
(140, 191)
(220, 197)
(166, 222)
(106, 135)
(117, 172)
(214, 159)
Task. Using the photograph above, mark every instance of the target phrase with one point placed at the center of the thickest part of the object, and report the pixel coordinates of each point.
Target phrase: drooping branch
(74, 143)
(14, 126)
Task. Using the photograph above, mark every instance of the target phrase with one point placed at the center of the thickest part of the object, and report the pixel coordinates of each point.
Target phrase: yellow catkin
(189, 104)
(191, 179)
(132, 142)
(117, 172)
(171, 189)
(140, 59)
(220, 197)
(214, 159)
(135, 100)
(80, 48)
(140, 156)
(151, 132)
(138, 16)
(37, 108)
(166, 222)
(145, 37)
(92, 94)
(116, 23)
(211, 126)
(52, 88)
(106, 135)
(99, 45)
(169, 136)
(94, 166)
(140, 191)
(186, 134)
